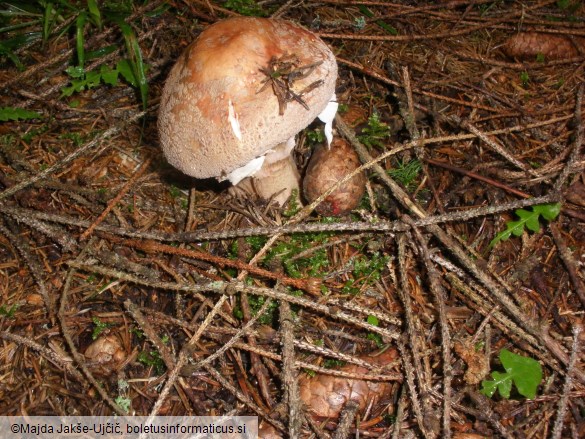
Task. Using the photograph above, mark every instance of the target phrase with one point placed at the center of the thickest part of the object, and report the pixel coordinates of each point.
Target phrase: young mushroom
(236, 98)
(327, 166)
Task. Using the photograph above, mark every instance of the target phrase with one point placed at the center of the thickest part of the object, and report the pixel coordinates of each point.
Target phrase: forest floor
(448, 303)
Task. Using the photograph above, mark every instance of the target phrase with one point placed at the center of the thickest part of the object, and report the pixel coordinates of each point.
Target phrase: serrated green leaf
(67, 91)
(9, 113)
(528, 219)
(76, 86)
(524, 214)
(504, 235)
(516, 227)
(92, 79)
(548, 211)
(75, 71)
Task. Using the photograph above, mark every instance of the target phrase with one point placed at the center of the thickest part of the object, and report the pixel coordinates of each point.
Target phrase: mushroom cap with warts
(326, 167)
(215, 115)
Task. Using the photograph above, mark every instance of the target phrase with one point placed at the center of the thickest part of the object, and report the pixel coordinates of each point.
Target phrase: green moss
(376, 134)
(246, 7)
(99, 328)
(406, 173)
(152, 359)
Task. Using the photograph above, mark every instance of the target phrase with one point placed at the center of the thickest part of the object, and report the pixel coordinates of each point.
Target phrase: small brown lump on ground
(326, 167)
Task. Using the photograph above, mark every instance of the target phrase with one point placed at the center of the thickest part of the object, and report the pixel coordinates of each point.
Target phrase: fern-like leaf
(529, 219)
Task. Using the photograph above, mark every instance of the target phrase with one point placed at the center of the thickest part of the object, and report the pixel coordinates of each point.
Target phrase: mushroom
(236, 98)
(105, 354)
(326, 395)
(326, 167)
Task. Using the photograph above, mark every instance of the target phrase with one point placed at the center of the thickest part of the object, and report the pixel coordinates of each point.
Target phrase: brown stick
(569, 262)
(478, 177)
(308, 285)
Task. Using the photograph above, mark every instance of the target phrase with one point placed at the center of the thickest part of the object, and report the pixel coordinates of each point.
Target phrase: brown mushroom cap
(212, 118)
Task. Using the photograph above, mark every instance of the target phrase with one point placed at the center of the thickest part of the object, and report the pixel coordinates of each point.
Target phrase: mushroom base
(274, 181)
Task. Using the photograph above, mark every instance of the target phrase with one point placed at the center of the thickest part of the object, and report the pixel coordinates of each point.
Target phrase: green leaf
(124, 68)
(20, 40)
(406, 173)
(373, 320)
(503, 382)
(75, 71)
(548, 211)
(92, 79)
(8, 312)
(123, 403)
(524, 372)
(19, 9)
(376, 133)
(488, 388)
(99, 328)
(109, 76)
(98, 53)
(75, 87)
(9, 113)
(376, 338)
(528, 219)
(82, 80)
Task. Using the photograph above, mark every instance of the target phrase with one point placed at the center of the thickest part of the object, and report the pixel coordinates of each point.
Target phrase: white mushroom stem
(277, 177)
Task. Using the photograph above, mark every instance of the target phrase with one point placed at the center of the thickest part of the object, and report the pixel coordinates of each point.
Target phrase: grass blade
(12, 9)
(94, 13)
(79, 38)
(390, 29)
(136, 61)
(10, 113)
(47, 20)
